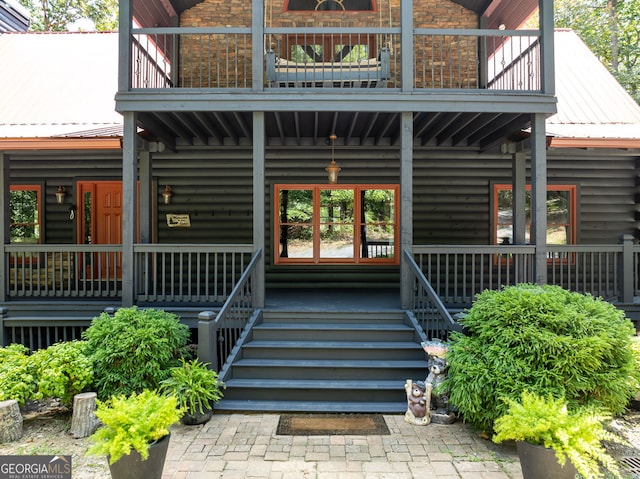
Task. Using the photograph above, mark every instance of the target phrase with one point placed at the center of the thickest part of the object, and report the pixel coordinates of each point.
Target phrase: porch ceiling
(482, 131)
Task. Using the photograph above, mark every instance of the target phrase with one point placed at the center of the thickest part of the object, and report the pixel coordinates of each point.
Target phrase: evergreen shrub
(545, 340)
(134, 349)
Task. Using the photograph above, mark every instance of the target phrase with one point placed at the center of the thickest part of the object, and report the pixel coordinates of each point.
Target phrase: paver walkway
(246, 446)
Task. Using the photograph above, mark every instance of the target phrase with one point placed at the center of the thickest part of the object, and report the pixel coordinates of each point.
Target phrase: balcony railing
(221, 58)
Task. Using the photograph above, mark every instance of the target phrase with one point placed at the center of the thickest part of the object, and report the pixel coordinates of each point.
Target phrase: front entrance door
(100, 211)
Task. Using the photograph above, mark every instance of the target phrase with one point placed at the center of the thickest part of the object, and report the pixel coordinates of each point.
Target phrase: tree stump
(10, 421)
(84, 421)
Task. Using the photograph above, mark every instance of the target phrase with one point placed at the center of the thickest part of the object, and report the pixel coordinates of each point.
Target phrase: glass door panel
(296, 224)
(336, 223)
(377, 223)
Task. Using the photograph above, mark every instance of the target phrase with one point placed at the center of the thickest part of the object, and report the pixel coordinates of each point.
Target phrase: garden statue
(438, 366)
(418, 402)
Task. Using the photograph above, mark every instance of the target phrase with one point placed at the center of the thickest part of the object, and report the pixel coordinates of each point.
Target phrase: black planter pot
(538, 462)
(133, 467)
(193, 419)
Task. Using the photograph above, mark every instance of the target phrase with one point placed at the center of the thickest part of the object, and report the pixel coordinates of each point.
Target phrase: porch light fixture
(167, 194)
(61, 192)
(333, 168)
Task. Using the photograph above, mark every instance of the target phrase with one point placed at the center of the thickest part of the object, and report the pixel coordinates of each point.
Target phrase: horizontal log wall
(452, 193)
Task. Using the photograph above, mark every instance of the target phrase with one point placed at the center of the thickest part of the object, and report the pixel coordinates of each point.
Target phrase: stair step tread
(313, 384)
(336, 326)
(312, 406)
(334, 344)
(340, 363)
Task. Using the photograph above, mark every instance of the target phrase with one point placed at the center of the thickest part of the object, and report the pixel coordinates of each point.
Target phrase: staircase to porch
(325, 361)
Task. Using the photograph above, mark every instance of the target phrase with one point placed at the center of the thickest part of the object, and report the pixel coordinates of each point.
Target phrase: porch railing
(189, 273)
(63, 271)
(427, 308)
(459, 272)
(164, 273)
(219, 333)
(336, 57)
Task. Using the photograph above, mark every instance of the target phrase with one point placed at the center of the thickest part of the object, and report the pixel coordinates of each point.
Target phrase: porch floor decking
(330, 299)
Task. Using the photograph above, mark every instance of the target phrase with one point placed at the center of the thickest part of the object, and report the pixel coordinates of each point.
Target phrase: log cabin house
(315, 186)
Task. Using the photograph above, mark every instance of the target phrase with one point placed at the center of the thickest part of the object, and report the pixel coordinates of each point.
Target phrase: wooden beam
(208, 125)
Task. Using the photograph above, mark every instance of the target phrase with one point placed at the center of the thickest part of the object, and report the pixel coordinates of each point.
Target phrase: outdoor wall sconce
(167, 194)
(61, 192)
(333, 168)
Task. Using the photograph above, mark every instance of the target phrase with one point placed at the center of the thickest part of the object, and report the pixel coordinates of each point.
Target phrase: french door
(339, 224)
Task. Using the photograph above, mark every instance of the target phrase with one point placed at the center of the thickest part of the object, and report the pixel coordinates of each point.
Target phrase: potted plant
(196, 387)
(553, 441)
(135, 433)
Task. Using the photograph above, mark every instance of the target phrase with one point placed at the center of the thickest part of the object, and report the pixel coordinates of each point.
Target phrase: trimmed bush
(545, 340)
(134, 349)
(62, 371)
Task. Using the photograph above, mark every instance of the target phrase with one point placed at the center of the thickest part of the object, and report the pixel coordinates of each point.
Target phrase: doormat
(332, 425)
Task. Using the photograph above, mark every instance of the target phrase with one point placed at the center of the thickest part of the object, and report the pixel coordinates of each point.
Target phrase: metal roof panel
(591, 102)
(58, 82)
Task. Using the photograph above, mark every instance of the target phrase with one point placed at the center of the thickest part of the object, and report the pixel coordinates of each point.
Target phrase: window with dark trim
(336, 224)
(25, 210)
(561, 214)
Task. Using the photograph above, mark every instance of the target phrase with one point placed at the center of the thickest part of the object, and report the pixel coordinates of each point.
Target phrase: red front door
(100, 213)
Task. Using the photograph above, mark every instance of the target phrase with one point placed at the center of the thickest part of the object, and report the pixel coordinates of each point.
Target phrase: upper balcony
(336, 46)
(224, 58)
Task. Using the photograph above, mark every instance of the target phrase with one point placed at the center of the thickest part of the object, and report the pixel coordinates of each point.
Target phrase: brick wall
(225, 60)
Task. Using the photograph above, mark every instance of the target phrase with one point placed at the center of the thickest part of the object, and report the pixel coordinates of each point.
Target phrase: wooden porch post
(146, 199)
(519, 190)
(627, 269)
(4, 224)
(519, 197)
(125, 17)
(406, 45)
(129, 213)
(547, 48)
(258, 206)
(539, 196)
(257, 44)
(406, 206)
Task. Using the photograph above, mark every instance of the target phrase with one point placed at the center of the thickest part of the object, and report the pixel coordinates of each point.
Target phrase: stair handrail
(218, 333)
(427, 307)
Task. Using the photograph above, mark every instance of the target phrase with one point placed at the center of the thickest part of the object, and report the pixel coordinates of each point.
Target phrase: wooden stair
(311, 361)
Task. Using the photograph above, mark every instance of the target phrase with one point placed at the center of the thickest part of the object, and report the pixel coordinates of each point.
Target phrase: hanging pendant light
(333, 168)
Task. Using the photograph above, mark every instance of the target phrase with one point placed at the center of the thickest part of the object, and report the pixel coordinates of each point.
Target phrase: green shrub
(133, 422)
(17, 375)
(574, 435)
(546, 340)
(62, 371)
(134, 349)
